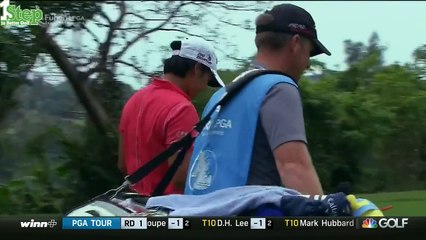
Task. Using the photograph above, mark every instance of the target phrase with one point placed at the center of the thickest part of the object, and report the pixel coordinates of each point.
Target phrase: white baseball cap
(201, 51)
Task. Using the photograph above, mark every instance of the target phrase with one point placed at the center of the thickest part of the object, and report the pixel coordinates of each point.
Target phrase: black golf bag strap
(165, 181)
(186, 142)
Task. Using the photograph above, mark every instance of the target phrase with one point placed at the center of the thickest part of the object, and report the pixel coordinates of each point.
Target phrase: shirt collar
(166, 84)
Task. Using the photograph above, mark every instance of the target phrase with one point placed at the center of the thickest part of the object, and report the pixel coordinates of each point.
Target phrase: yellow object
(363, 207)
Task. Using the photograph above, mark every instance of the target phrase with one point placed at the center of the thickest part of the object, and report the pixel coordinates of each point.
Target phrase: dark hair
(270, 40)
(181, 66)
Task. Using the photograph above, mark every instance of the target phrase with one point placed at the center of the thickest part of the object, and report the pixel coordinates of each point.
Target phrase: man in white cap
(162, 113)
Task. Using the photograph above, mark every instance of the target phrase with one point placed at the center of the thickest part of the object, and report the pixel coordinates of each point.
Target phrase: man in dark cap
(259, 137)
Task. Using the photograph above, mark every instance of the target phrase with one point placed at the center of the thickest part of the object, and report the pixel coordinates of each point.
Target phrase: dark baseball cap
(289, 18)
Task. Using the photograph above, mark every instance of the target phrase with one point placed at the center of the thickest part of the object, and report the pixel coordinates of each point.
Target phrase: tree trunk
(78, 80)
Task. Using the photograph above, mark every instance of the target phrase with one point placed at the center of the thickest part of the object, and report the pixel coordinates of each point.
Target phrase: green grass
(411, 203)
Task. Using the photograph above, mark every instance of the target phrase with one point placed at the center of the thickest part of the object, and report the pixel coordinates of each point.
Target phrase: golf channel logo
(34, 224)
(369, 223)
(14, 15)
(385, 223)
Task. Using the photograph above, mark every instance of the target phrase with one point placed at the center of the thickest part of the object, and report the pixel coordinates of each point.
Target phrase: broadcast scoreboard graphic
(102, 223)
(190, 227)
(254, 223)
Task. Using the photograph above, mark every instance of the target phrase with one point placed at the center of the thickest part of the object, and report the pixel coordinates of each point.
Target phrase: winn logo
(33, 224)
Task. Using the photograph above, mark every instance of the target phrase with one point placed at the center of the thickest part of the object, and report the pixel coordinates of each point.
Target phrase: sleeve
(180, 120)
(281, 115)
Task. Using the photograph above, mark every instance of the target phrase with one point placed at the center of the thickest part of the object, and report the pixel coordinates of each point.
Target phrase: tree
(131, 25)
(419, 56)
(15, 62)
(363, 61)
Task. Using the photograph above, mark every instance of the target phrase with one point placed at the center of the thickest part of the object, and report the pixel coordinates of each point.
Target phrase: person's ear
(192, 72)
(296, 41)
(197, 70)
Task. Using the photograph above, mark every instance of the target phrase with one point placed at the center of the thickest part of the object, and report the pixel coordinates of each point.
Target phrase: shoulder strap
(186, 142)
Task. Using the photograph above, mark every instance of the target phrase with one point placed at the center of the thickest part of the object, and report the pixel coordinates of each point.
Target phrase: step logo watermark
(35, 224)
(14, 15)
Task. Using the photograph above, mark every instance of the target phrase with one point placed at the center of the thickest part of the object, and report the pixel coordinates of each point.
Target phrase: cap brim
(319, 48)
(217, 81)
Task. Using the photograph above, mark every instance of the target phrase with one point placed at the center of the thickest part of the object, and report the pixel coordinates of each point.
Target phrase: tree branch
(220, 18)
(93, 70)
(91, 33)
(228, 6)
(138, 69)
(228, 55)
(130, 43)
(102, 14)
(120, 28)
(178, 30)
(146, 19)
(105, 47)
(229, 23)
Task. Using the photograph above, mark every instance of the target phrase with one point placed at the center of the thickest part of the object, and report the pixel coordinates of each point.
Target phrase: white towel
(224, 202)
